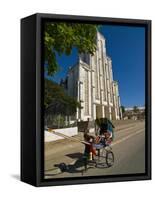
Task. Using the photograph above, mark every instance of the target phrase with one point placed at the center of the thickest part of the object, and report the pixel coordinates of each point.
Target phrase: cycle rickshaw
(98, 151)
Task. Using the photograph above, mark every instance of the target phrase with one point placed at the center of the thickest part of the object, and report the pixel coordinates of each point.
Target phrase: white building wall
(90, 96)
(95, 86)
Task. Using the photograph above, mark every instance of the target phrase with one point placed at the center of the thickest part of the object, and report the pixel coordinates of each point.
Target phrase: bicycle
(104, 155)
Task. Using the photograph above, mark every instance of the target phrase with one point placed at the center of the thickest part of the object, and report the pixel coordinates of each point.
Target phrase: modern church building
(91, 83)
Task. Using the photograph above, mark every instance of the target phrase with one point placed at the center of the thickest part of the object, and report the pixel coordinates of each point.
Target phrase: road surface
(128, 148)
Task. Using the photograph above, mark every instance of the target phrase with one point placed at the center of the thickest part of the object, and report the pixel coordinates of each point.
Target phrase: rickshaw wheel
(100, 160)
(109, 158)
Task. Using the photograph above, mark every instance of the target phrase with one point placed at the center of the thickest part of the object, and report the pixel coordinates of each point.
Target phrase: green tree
(60, 38)
(56, 101)
(135, 109)
(123, 109)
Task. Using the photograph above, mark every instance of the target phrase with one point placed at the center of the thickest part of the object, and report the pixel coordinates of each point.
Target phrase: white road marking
(126, 129)
(127, 137)
(119, 141)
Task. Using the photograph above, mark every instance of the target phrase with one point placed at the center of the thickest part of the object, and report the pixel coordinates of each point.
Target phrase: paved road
(128, 148)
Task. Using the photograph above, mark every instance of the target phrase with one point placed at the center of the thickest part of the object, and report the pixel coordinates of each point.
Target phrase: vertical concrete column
(103, 112)
(93, 90)
(102, 98)
(82, 111)
(105, 79)
(94, 111)
(116, 113)
(98, 74)
(77, 113)
(93, 78)
(121, 115)
(110, 115)
(120, 110)
(89, 88)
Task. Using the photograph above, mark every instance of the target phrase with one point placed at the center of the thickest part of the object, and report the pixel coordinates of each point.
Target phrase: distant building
(134, 113)
(140, 108)
(91, 83)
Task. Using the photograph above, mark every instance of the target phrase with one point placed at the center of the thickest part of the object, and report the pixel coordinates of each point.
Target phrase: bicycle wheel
(100, 159)
(109, 158)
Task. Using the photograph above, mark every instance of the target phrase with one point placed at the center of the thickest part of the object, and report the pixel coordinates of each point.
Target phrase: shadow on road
(77, 167)
(75, 155)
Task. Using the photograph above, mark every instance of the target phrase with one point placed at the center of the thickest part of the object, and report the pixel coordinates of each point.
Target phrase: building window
(85, 58)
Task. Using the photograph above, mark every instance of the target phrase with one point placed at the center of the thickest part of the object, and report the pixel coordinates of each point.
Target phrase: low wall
(92, 130)
(50, 136)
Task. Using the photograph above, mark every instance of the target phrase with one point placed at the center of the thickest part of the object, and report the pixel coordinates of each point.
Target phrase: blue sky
(126, 47)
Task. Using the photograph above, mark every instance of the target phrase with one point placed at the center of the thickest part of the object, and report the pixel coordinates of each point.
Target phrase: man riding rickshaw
(104, 130)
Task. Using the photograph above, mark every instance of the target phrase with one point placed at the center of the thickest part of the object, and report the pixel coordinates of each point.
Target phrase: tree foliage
(123, 109)
(56, 101)
(60, 38)
(135, 109)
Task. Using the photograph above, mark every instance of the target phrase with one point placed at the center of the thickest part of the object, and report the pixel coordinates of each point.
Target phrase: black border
(39, 135)
(28, 100)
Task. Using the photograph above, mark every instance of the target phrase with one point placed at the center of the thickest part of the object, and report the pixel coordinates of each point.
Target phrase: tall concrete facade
(91, 83)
